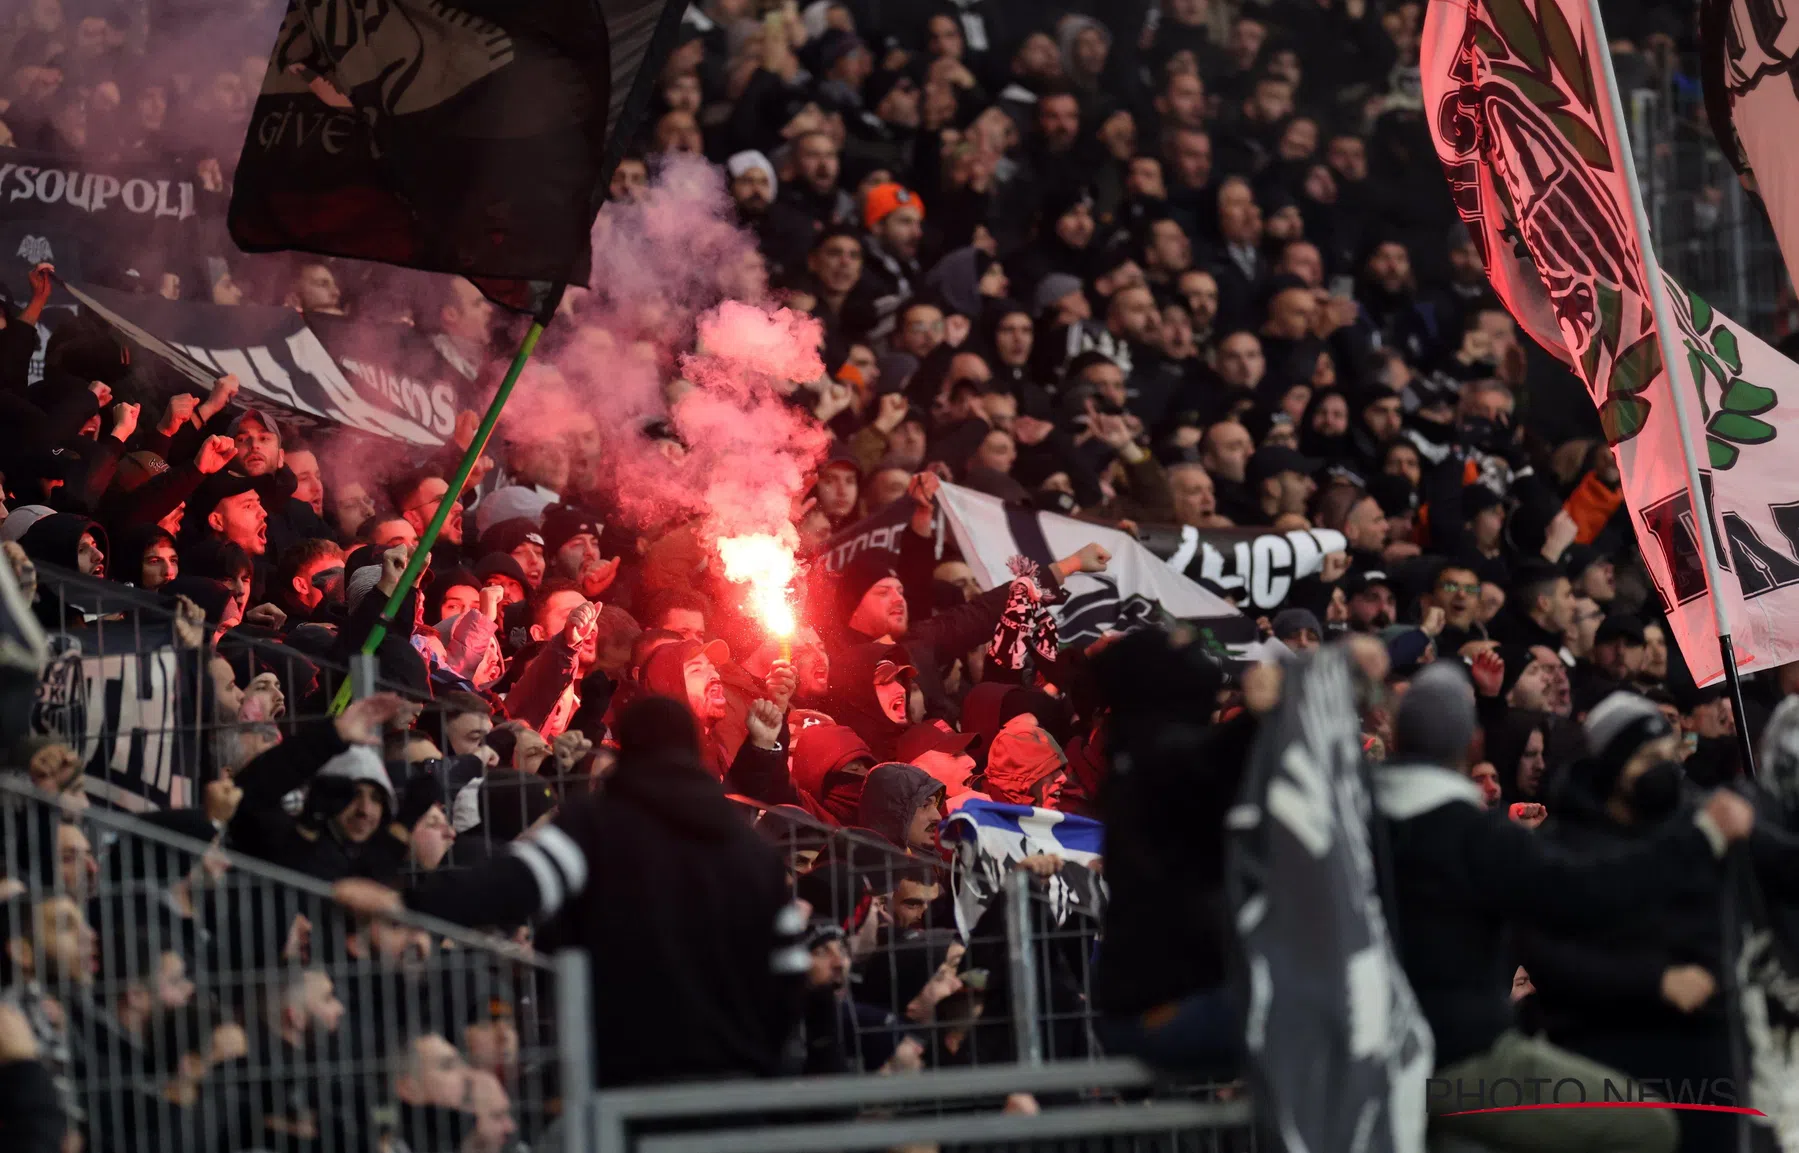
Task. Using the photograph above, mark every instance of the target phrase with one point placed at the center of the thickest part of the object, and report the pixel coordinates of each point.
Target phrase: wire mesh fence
(191, 994)
(1710, 233)
(185, 997)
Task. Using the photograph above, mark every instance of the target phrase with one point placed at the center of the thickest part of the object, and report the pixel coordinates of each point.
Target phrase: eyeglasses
(1472, 590)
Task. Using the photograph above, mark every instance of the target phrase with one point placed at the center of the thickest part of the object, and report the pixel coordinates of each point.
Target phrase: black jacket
(31, 1116)
(1463, 877)
(1599, 984)
(310, 843)
(684, 909)
(1167, 931)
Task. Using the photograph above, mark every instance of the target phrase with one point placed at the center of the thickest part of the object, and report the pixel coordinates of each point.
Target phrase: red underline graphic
(1746, 1111)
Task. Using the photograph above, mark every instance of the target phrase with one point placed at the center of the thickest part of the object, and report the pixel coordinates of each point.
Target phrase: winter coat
(1463, 877)
(319, 760)
(1599, 984)
(683, 907)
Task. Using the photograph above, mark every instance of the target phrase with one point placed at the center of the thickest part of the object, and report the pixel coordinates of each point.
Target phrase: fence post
(1738, 222)
(1021, 961)
(362, 676)
(574, 1025)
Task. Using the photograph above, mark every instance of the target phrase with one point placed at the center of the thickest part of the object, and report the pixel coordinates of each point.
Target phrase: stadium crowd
(1188, 263)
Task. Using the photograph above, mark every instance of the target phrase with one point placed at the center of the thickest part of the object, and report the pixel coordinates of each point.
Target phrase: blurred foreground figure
(716, 963)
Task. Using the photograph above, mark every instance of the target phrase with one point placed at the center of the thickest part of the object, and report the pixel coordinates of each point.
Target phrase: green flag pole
(421, 556)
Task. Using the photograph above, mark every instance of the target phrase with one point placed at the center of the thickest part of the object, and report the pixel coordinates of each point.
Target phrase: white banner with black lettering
(1255, 567)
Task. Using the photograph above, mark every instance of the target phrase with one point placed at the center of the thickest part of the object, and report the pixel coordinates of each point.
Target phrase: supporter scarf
(1026, 626)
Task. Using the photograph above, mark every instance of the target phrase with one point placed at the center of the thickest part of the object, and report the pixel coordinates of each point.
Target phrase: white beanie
(1615, 718)
(742, 162)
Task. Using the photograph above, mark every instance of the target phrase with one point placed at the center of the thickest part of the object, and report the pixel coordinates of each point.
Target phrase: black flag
(1339, 1051)
(473, 137)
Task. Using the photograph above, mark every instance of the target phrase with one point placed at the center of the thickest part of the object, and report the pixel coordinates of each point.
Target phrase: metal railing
(185, 997)
(1000, 1108)
(152, 719)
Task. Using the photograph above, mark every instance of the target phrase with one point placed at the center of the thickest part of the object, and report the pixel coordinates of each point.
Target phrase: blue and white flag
(990, 839)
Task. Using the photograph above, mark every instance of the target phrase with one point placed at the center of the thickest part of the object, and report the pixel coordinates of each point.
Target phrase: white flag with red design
(1514, 94)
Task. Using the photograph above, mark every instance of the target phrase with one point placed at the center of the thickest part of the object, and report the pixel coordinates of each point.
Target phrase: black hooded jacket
(311, 843)
(891, 797)
(684, 908)
(1464, 878)
(852, 700)
(1599, 985)
(1167, 931)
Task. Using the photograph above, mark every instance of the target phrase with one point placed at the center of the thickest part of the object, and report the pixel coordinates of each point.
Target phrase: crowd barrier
(186, 997)
(129, 693)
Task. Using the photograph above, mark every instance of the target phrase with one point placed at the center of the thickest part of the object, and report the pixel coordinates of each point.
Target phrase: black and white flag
(473, 137)
(111, 685)
(1340, 1053)
(1137, 589)
(385, 380)
(1256, 567)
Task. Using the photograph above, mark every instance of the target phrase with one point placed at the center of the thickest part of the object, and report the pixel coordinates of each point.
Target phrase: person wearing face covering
(1466, 882)
(1641, 995)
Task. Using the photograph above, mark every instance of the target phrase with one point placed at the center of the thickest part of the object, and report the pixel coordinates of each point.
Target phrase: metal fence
(1710, 233)
(189, 997)
(224, 1003)
(153, 711)
(185, 997)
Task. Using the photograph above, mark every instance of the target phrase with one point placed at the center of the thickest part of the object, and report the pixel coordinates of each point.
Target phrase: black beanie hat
(864, 570)
(416, 799)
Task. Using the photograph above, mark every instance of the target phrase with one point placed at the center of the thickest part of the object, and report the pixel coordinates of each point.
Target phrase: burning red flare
(765, 564)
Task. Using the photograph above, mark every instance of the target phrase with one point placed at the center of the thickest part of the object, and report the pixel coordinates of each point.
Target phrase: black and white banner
(1254, 567)
(1137, 589)
(386, 380)
(111, 684)
(1339, 1050)
(876, 530)
(85, 197)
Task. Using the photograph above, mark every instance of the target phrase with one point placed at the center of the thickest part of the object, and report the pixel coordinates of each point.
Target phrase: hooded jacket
(1025, 766)
(125, 563)
(852, 700)
(892, 796)
(1599, 985)
(1463, 877)
(317, 758)
(677, 899)
(56, 539)
(764, 775)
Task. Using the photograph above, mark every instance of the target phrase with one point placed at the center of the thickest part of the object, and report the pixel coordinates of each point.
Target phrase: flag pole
(1672, 360)
(421, 556)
